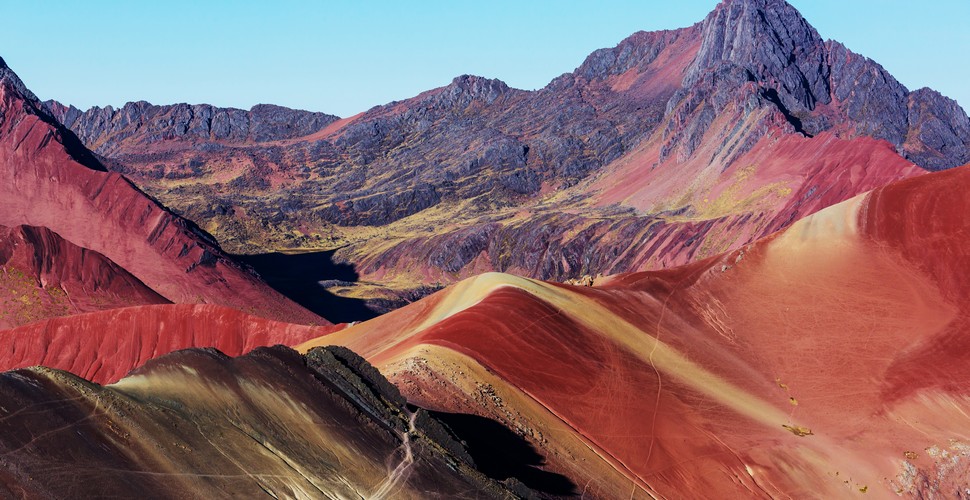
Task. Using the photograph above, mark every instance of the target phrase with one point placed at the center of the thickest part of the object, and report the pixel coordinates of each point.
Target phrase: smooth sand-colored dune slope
(830, 360)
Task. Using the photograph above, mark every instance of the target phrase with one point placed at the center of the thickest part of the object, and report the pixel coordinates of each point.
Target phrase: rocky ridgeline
(107, 127)
(755, 65)
(764, 53)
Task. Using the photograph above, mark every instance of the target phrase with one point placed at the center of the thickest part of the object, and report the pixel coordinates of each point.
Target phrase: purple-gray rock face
(815, 85)
(939, 131)
(773, 42)
(107, 128)
(870, 97)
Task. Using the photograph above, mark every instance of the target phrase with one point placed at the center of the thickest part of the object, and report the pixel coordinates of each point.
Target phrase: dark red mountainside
(197, 424)
(808, 337)
(42, 275)
(645, 156)
(104, 346)
(49, 180)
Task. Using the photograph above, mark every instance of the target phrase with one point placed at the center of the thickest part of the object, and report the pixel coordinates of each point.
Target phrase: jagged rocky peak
(635, 51)
(5, 70)
(10, 81)
(477, 88)
(872, 100)
(264, 122)
(940, 130)
(814, 85)
(770, 39)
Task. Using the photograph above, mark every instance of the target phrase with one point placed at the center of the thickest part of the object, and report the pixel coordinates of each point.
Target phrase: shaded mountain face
(79, 210)
(42, 275)
(643, 157)
(199, 424)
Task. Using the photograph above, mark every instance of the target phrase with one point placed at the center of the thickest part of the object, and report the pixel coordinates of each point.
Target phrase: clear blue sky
(343, 57)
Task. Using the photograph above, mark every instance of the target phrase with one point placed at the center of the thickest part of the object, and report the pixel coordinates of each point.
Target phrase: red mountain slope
(48, 179)
(42, 275)
(104, 346)
(828, 360)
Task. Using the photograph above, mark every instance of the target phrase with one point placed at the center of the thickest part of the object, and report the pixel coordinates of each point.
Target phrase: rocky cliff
(106, 128)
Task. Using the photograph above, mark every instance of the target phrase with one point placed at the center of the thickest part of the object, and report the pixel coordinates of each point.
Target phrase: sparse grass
(24, 300)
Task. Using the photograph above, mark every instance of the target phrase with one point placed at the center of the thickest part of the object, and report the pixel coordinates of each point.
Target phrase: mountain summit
(820, 86)
(671, 147)
(809, 335)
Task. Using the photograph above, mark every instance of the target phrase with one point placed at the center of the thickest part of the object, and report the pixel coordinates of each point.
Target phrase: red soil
(43, 276)
(46, 183)
(104, 346)
(925, 220)
(826, 360)
(721, 206)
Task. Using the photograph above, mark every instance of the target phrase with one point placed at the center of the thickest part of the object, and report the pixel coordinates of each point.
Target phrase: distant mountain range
(670, 147)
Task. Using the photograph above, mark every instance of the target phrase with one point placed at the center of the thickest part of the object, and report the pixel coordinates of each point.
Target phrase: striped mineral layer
(829, 359)
(809, 337)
